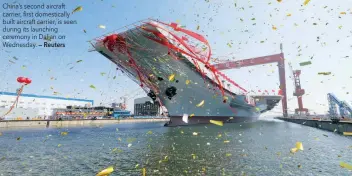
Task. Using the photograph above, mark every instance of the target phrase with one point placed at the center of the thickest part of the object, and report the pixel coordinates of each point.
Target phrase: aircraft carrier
(175, 71)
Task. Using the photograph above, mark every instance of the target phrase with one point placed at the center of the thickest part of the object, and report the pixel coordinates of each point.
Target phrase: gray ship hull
(184, 93)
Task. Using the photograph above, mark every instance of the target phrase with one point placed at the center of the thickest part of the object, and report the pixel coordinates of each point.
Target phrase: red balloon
(21, 79)
(27, 80)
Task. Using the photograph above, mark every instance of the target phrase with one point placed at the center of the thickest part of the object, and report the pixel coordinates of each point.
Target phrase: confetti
(64, 133)
(185, 118)
(200, 104)
(305, 63)
(345, 165)
(216, 122)
(149, 132)
(102, 26)
(92, 86)
(226, 142)
(347, 133)
(129, 145)
(274, 28)
(187, 82)
(195, 134)
(288, 14)
(198, 27)
(306, 2)
(106, 171)
(144, 171)
(79, 61)
(59, 145)
(77, 9)
(299, 145)
(324, 73)
(293, 150)
(172, 77)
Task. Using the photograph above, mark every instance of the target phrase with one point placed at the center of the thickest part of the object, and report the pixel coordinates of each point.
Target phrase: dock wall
(68, 123)
(340, 127)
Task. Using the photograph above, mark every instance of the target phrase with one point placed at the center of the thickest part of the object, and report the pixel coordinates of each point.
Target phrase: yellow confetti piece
(136, 166)
(343, 13)
(102, 26)
(345, 165)
(106, 171)
(59, 145)
(92, 86)
(149, 132)
(279, 0)
(195, 134)
(77, 9)
(144, 172)
(226, 142)
(288, 14)
(228, 154)
(191, 115)
(187, 82)
(64, 133)
(324, 73)
(172, 77)
(299, 145)
(182, 132)
(274, 28)
(200, 104)
(219, 135)
(293, 150)
(347, 133)
(198, 27)
(193, 156)
(306, 2)
(217, 122)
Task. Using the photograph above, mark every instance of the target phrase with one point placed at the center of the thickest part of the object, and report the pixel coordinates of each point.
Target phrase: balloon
(27, 80)
(20, 79)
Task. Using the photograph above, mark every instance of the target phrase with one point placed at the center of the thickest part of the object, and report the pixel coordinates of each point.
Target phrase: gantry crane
(278, 58)
(344, 109)
(299, 92)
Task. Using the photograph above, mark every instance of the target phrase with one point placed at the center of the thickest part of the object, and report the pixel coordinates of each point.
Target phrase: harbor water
(260, 148)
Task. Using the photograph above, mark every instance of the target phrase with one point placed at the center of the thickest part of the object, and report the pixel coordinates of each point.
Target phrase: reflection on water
(261, 148)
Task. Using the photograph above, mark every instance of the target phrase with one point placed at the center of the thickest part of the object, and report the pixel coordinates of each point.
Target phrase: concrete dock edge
(67, 123)
(339, 127)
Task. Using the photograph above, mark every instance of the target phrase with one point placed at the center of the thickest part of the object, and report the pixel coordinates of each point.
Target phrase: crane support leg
(281, 66)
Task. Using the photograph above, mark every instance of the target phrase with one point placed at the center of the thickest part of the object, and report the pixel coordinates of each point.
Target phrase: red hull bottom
(177, 120)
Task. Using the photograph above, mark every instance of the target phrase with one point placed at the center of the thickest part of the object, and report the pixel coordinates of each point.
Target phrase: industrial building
(145, 107)
(34, 106)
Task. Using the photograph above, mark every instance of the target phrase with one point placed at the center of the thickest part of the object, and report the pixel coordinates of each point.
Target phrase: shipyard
(204, 88)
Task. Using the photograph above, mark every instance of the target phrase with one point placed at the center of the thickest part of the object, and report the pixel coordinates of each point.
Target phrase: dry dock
(339, 127)
(70, 123)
